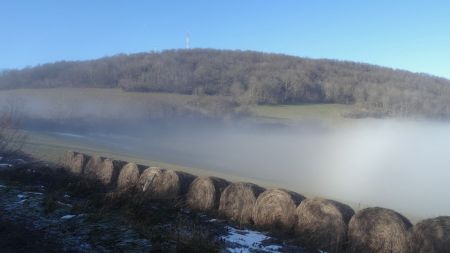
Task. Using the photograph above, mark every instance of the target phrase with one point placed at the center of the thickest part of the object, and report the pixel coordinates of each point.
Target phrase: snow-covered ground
(242, 241)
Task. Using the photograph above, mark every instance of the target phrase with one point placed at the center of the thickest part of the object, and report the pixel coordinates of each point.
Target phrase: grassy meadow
(328, 113)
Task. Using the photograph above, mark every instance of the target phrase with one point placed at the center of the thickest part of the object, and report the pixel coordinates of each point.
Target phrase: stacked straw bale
(378, 230)
(129, 176)
(103, 169)
(74, 162)
(159, 183)
(237, 201)
(204, 193)
(431, 236)
(322, 224)
(276, 208)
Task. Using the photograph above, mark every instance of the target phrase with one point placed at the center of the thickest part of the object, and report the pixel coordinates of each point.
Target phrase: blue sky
(412, 35)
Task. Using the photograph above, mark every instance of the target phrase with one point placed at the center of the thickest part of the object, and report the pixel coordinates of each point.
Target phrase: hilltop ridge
(250, 78)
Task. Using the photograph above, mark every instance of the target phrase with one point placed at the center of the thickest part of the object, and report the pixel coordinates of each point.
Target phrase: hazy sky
(413, 34)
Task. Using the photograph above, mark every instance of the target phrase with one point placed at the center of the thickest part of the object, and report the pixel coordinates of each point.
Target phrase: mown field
(329, 113)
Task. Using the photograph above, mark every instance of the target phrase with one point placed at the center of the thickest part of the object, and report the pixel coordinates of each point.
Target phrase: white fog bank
(398, 164)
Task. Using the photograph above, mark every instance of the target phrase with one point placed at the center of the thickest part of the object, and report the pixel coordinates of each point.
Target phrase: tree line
(250, 78)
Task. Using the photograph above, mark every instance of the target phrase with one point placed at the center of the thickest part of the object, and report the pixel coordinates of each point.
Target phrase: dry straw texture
(75, 162)
(275, 208)
(204, 193)
(129, 176)
(322, 224)
(159, 183)
(103, 169)
(431, 236)
(378, 230)
(237, 201)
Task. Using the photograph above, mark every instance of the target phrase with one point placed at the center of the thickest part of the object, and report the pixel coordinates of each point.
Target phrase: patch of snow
(2, 186)
(248, 241)
(66, 196)
(5, 165)
(34, 193)
(68, 217)
(21, 201)
(20, 196)
(64, 204)
(212, 220)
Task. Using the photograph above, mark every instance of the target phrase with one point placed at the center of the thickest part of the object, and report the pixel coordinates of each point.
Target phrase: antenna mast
(187, 40)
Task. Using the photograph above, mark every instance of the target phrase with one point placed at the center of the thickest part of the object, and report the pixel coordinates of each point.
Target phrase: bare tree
(12, 138)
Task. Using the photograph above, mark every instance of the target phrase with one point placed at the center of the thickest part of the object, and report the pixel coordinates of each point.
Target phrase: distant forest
(250, 78)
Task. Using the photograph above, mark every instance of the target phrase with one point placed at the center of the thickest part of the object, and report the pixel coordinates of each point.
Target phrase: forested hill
(250, 77)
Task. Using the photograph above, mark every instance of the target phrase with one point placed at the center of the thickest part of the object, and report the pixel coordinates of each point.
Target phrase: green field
(329, 113)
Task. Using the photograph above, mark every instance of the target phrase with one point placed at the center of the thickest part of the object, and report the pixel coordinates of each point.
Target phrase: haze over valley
(364, 162)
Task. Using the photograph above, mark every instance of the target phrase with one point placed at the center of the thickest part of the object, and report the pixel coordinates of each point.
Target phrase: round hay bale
(275, 208)
(92, 166)
(74, 162)
(147, 177)
(129, 176)
(67, 159)
(378, 230)
(322, 224)
(431, 236)
(237, 201)
(159, 183)
(103, 169)
(204, 193)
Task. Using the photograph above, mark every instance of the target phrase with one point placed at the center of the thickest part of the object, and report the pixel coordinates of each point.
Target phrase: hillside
(250, 78)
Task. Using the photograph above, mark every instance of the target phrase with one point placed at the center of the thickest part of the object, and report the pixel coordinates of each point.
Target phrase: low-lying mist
(394, 163)
(403, 165)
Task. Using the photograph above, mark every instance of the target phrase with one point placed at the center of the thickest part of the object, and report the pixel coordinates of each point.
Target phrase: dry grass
(204, 193)
(378, 230)
(431, 236)
(159, 183)
(275, 208)
(322, 224)
(237, 201)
